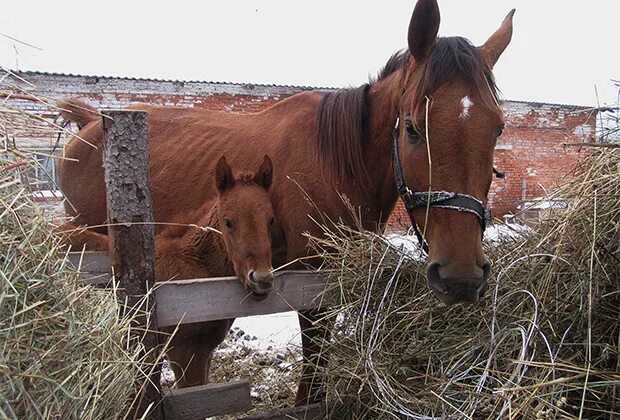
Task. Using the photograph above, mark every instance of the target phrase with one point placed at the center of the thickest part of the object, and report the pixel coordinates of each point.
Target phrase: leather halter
(439, 199)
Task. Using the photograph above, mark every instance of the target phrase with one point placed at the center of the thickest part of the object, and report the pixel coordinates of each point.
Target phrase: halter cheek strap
(440, 199)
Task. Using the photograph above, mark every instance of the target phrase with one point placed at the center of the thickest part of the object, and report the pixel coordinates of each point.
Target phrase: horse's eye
(228, 223)
(412, 132)
(500, 130)
(272, 221)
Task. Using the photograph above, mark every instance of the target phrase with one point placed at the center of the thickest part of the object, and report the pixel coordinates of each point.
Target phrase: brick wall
(531, 151)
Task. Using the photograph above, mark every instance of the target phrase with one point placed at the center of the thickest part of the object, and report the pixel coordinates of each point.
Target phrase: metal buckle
(422, 199)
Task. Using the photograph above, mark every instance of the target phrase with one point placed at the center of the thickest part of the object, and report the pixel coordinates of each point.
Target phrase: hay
(543, 343)
(64, 348)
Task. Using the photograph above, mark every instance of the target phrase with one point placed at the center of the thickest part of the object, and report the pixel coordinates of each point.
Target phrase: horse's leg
(177, 355)
(188, 359)
(192, 350)
(313, 332)
(214, 336)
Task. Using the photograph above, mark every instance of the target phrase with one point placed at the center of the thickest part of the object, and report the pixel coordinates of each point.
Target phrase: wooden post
(131, 231)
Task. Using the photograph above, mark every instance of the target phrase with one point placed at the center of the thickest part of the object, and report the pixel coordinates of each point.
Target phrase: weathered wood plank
(207, 400)
(198, 300)
(94, 267)
(308, 412)
(90, 262)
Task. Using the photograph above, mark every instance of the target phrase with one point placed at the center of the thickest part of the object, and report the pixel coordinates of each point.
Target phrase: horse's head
(449, 123)
(245, 216)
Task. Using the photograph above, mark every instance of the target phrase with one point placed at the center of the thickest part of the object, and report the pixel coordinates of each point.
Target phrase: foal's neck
(205, 245)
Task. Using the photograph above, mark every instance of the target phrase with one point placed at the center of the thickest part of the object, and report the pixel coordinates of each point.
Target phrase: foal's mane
(343, 115)
(205, 215)
(245, 178)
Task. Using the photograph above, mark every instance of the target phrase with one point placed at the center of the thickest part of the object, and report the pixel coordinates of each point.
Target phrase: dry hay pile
(543, 342)
(64, 348)
(65, 351)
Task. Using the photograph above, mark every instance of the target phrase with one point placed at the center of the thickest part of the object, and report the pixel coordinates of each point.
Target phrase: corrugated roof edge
(571, 106)
(46, 73)
(272, 85)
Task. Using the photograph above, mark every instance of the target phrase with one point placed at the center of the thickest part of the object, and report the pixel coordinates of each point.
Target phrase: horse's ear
(423, 28)
(264, 175)
(497, 43)
(223, 175)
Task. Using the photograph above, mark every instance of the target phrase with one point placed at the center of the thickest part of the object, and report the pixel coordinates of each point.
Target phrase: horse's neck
(383, 97)
(206, 246)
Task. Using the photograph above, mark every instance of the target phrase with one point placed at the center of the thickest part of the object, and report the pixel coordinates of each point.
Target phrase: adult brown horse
(324, 144)
(232, 236)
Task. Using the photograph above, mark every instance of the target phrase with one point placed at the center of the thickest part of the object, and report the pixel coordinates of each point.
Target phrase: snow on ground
(494, 234)
(407, 243)
(501, 232)
(277, 331)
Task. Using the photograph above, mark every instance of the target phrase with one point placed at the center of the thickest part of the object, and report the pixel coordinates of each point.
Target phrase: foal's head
(245, 217)
(449, 123)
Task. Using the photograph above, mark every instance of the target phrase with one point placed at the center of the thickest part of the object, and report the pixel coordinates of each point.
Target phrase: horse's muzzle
(458, 289)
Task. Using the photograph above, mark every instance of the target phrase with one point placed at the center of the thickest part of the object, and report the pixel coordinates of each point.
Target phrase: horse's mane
(342, 117)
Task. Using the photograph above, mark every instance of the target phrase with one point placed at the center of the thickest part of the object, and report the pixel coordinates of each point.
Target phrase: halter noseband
(440, 199)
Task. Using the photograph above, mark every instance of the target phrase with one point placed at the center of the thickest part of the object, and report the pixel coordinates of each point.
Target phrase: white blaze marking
(466, 103)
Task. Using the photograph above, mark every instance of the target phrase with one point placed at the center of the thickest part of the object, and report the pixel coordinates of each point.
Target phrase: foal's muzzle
(458, 289)
(260, 283)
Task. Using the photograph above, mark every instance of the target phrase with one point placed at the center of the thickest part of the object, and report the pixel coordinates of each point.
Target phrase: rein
(439, 199)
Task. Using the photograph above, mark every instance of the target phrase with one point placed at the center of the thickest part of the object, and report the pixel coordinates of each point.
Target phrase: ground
(266, 351)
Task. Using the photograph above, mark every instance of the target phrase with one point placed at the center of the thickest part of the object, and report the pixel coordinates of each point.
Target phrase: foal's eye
(228, 223)
(500, 130)
(412, 133)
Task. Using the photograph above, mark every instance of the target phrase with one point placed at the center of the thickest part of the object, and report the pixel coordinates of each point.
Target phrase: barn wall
(531, 151)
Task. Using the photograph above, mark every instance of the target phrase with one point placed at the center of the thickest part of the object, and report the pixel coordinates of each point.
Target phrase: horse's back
(185, 145)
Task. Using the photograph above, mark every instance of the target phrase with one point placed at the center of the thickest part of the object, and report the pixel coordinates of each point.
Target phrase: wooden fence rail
(198, 300)
(208, 400)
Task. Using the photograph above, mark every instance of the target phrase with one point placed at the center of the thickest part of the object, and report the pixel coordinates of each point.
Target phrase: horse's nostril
(435, 279)
(486, 269)
(261, 282)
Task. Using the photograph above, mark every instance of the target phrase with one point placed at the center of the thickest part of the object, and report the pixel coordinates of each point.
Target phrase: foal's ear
(223, 175)
(423, 28)
(497, 43)
(264, 175)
